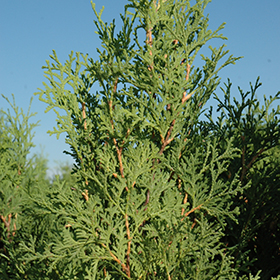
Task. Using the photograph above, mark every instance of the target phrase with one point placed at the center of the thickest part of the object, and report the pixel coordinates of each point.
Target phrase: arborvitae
(157, 190)
(19, 173)
(255, 130)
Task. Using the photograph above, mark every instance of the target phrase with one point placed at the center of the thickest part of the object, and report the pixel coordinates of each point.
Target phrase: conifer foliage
(19, 174)
(158, 192)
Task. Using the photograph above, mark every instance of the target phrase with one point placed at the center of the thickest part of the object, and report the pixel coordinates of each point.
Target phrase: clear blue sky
(31, 29)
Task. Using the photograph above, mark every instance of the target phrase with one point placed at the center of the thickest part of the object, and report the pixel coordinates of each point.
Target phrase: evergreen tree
(19, 172)
(255, 239)
(157, 192)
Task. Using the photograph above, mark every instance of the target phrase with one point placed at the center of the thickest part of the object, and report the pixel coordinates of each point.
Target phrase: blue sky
(31, 29)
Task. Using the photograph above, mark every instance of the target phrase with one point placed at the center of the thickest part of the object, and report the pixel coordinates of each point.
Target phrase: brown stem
(128, 247)
(115, 84)
(179, 183)
(158, 5)
(149, 42)
(15, 226)
(192, 210)
(147, 199)
(119, 150)
(185, 95)
(114, 257)
(85, 195)
(185, 201)
(84, 115)
(167, 140)
(85, 126)
(188, 71)
(194, 223)
(255, 158)
(185, 98)
(7, 225)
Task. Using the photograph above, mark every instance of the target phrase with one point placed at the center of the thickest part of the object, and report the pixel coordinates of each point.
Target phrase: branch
(7, 225)
(119, 150)
(243, 161)
(147, 199)
(15, 226)
(191, 211)
(84, 115)
(150, 41)
(114, 257)
(167, 140)
(249, 165)
(85, 195)
(128, 246)
(255, 158)
(185, 201)
(184, 99)
(185, 96)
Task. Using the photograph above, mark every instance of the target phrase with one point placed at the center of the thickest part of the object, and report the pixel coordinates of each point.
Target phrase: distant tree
(19, 174)
(64, 173)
